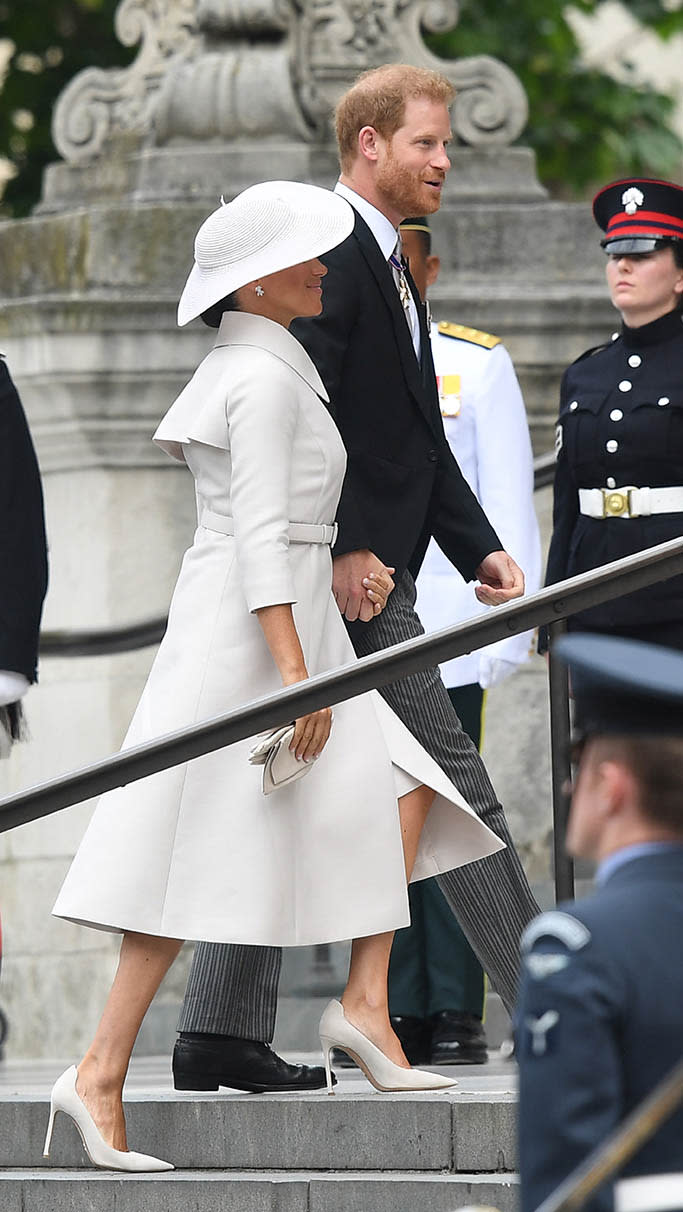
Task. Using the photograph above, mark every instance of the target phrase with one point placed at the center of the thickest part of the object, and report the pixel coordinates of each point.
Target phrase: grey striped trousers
(232, 989)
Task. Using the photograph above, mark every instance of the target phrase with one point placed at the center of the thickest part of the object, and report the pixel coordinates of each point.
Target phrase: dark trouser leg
(232, 990)
(408, 991)
(433, 967)
(490, 898)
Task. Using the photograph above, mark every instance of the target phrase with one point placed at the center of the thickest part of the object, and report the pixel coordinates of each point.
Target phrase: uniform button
(625, 385)
(611, 446)
(574, 405)
(616, 414)
(663, 401)
(432, 456)
(611, 482)
(635, 360)
(615, 336)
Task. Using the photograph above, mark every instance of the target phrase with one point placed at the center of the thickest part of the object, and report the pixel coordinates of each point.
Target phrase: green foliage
(585, 127)
(53, 39)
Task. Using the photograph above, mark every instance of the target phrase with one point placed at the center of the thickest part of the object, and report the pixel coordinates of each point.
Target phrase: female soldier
(619, 478)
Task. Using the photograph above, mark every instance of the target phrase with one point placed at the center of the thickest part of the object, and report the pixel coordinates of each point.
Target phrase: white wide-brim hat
(266, 228)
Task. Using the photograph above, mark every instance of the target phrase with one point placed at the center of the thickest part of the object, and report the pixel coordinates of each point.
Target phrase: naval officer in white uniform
(437, 1006)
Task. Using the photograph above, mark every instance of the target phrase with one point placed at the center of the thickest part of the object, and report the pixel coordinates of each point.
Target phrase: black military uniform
(23, 552)
(599, 1020)
(621, 428)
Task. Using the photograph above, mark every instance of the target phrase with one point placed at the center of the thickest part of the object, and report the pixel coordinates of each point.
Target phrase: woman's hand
(311, 734)
(378, 586)
(350, 577)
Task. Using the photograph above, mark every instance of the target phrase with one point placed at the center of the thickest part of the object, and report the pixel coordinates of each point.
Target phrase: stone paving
(360, 1151)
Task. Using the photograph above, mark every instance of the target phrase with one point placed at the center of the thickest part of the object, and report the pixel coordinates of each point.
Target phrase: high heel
(337, 1032)
(65, 1098)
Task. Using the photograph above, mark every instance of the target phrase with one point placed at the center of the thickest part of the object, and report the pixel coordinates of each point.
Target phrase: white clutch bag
(280, 765)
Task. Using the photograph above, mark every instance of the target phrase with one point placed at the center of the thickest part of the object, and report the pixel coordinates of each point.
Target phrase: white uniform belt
(299, 532)
(630, 502)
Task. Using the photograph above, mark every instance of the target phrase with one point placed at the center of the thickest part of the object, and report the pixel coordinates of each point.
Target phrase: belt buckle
(614, 503)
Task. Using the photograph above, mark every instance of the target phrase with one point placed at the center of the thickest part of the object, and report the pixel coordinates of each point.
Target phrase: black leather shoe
(457, 1039)
(205, 1062)
(414, 1034)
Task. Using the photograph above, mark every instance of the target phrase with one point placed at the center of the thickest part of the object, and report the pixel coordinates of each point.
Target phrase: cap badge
(631, 199)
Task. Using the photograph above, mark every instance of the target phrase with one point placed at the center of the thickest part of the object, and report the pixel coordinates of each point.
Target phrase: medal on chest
(450, 398)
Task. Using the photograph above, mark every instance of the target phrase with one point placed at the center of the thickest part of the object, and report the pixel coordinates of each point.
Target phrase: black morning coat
(23, 550)
(621, 419)
(402, 483)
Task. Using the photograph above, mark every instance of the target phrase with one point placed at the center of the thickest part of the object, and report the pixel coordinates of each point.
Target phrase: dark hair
(656, 763)
(213, 315)
(676, 247)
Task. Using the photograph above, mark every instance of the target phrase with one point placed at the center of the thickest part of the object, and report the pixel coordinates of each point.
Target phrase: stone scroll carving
(99, 103)
(234, 69)
(337, 39)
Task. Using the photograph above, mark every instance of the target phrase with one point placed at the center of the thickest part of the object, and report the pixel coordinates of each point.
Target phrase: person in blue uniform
(619, 477)
(599, 1020)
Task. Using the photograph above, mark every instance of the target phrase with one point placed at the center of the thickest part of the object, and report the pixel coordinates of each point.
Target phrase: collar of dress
(243, 328)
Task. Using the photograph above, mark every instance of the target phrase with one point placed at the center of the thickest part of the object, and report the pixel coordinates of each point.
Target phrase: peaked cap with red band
(638, 214)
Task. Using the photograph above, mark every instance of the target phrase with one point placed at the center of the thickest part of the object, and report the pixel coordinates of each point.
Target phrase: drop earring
(259, 291)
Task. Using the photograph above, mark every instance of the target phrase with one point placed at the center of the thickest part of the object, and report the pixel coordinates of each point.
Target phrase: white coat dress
(198, 851)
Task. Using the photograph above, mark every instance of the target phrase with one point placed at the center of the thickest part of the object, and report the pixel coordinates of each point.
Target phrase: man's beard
(407, 194)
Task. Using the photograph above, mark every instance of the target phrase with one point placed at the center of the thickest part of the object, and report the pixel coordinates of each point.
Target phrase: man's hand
(501, 579)
(361, 585)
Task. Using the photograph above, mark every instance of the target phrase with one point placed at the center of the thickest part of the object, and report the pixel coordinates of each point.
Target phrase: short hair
(213, 315)
(656, 763)
(378, 98)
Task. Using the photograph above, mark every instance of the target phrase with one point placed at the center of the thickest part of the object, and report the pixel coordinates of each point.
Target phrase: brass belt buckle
(614, 504)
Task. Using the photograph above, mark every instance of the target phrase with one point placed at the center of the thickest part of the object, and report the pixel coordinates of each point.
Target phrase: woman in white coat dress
(198, 851)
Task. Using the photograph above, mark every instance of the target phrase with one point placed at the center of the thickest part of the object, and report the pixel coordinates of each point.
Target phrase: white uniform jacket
(485, 422)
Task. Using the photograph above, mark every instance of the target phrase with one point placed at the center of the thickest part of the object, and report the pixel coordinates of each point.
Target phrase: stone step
(470, 1129)
(247, 1191)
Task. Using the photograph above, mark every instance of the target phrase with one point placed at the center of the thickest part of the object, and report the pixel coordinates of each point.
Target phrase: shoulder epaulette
(588, 353)
(473, 335)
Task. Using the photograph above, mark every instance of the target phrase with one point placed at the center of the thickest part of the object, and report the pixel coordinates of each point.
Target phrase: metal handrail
(557, 601)
(109, 641)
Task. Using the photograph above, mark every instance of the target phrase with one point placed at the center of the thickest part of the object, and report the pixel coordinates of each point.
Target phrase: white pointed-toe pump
(66, 1098)
(337, 1032)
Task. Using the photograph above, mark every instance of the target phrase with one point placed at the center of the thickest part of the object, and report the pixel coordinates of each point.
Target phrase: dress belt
(299, 532)
(630, 502)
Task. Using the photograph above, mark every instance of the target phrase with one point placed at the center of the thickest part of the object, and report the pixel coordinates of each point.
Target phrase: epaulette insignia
(473, 335)
(557, 925)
